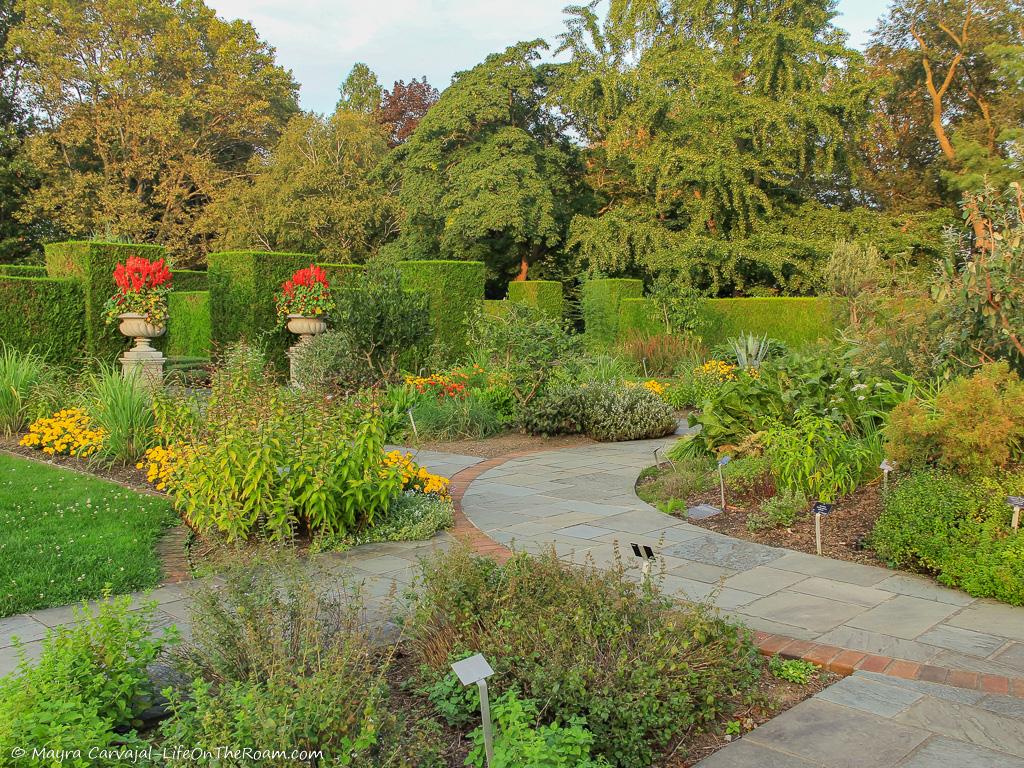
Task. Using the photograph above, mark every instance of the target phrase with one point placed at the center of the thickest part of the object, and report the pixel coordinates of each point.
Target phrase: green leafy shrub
(817, 458)
(779, 511)
(681, 480)
(558, 410)
(793, 670)
(956, 529)
(583, 642)
(383, 322)
(972, 425)
(615, 412)
(499, 398)
(454, 290)
(275, 462)
(44, 314)
(545, 295)
(29, 388)
(327, 361)
(411, 517)
(601, 300)
(122, 406)
(88, 686)
(521, 743)
(279, 663)
(748, 474)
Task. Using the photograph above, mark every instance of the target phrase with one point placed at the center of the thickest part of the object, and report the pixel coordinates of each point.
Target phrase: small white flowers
(859, 387)
(860, 397)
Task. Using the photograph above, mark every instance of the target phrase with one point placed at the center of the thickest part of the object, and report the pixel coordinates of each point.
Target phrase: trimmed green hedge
(45, 313)
(23, 270)
(495, 307)
(454, 288)
(189, 280)
(797, 321)
(640, 316)
(601, 300)
(188, 328)
(545, 295)
(93, 264)
(242, 287)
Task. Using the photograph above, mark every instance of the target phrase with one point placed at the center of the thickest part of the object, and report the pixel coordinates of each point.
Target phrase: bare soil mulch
(500, 445)
(844, 532)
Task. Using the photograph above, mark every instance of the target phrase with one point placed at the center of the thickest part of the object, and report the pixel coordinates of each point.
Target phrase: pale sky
(320, 40)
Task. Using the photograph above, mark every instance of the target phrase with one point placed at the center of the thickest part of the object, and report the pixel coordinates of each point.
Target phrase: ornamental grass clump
(28, 388)
(582, 642)
(142, 288)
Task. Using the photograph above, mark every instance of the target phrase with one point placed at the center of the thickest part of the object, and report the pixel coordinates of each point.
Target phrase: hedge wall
(545, 295)
(601, 300)
(93, 264)
(797, 321)
(188, 328)
(640, 316)
(242, 286)
(45, 313)
(495, 307)
(23, 270)
(453, 288)
(189, 280)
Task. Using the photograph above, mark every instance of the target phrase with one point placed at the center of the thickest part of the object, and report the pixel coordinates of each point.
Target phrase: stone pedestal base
(303, 341)
(145, 363)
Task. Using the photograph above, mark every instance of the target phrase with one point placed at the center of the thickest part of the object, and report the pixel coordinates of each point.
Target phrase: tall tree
(704, 118)
(402, 108)
(953, 105)
(145, 107)
(488, 173)
(315, 193)
(360, 92)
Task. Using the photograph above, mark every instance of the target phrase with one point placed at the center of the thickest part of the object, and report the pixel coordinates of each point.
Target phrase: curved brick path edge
(842, 661)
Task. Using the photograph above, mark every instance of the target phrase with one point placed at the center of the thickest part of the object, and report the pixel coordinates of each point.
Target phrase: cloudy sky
(319, 40)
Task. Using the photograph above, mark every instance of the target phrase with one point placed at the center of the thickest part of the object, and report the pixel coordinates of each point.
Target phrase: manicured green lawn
(64, 536)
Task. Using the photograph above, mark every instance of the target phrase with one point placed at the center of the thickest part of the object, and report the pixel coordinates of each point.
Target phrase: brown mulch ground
(499, 445)
(843, 532)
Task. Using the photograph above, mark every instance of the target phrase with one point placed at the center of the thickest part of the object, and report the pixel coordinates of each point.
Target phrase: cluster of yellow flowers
(162, 462)
(69, 431)
(720, 369)
(415, 477)
(655, 387)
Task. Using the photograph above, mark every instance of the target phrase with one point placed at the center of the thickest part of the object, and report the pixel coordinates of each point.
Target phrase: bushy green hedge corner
(242, 286)
(454, 289)
(188, 326)
(23, 270)
(601, 300)
(93, 264)
(640, 316)
(545, 295)
(796, 321)
(47, 314)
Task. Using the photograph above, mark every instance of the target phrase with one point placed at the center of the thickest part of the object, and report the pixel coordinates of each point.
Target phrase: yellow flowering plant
(417, 478)
(162, 462)
(69, 432)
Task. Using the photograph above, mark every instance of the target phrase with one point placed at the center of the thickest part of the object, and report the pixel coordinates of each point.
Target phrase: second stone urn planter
(142, 359)
(305, 328)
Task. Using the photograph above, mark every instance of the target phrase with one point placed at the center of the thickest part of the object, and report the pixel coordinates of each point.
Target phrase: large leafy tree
(705, 119)
(144, 107)
(951, 110)
(488, 173)
(315, 193)
(360, 92)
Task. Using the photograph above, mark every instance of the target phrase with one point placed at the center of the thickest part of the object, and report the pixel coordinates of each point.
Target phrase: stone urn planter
(306, 327)
(142, 360)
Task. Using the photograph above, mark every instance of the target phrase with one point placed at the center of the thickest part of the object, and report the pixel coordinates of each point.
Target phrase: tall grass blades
(122, 407)
(27, 387)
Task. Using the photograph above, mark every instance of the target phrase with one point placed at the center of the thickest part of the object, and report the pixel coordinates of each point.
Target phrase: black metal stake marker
(644, 552)
(820, 508)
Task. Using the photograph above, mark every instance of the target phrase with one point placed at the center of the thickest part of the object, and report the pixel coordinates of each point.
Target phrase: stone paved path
(581, 501)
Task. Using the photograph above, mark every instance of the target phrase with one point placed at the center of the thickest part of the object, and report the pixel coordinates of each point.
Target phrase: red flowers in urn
(307, 294)
(142, 288)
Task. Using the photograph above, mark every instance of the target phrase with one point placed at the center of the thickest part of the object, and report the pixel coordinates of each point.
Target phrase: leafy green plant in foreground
(27, 388)
(793, 670)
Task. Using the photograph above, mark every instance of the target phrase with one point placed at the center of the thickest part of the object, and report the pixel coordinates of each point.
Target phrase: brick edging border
(842, 661)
